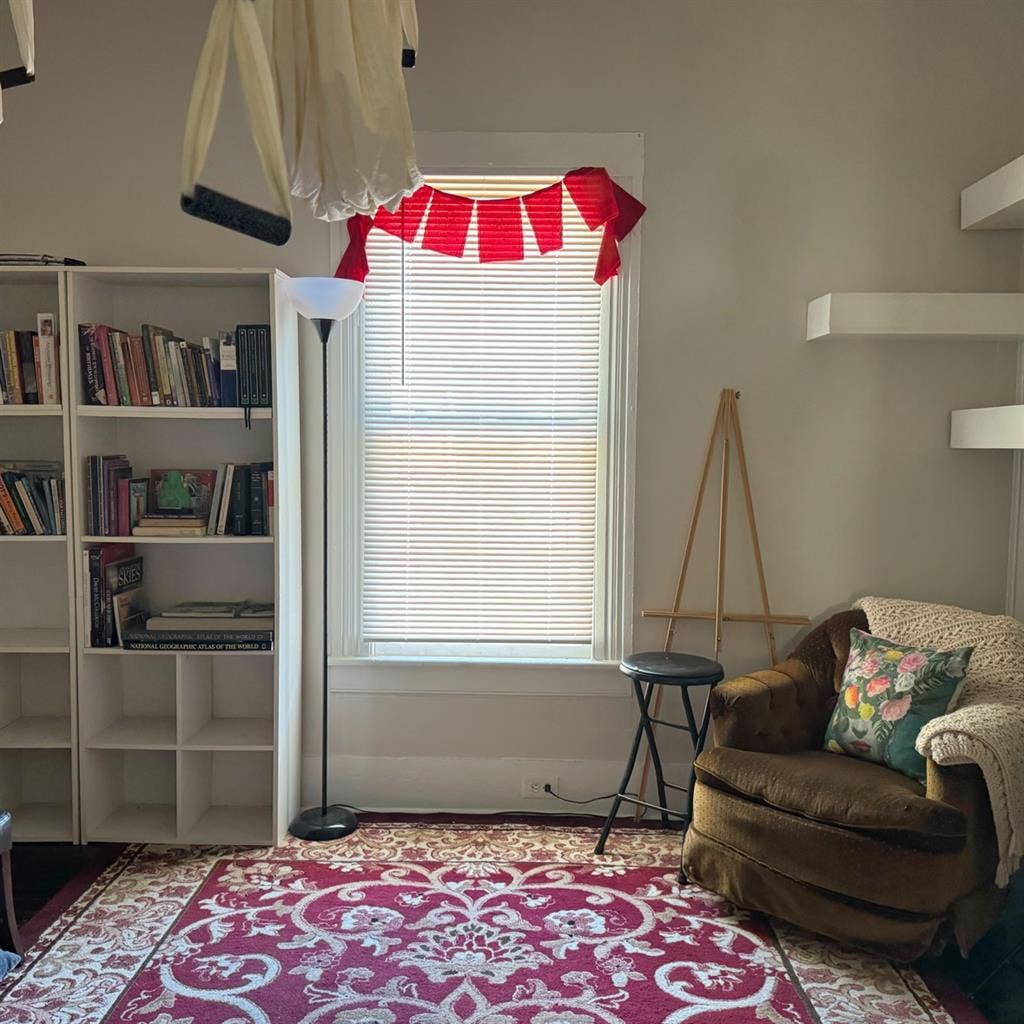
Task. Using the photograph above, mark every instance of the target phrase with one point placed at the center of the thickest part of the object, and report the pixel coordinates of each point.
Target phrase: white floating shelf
(1000, 426)
(34, 641)
(150, 732)
(971, 316)
(996, 202)
(51, 731)
(233, 734)
(167, 412)
(31, 410)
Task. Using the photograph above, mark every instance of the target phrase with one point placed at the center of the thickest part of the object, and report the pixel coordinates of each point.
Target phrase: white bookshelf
(175, 746)
(38, 748)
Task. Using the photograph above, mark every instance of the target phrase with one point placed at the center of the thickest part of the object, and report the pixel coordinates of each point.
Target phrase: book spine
(212, 364)
(62, 508)
(124, 343)
(135, 642)
(123, 507)
(92, 371)
(242, 341)
(163, 369)
(152, 372)
(140, 369)
(225, 500)
(7, 503)
(257, 523)
(240, 502)
(48, 359)
(271, 505)
(267, 379)
(95, 598)
(40, 378)
(117, 352)
(12, 369)
(180, 381)
(215, 500)
(30, 381)
(228, 373)
(107, 361)
(46, 493)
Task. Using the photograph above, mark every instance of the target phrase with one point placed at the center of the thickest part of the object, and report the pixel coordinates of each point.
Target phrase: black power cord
(580, 803)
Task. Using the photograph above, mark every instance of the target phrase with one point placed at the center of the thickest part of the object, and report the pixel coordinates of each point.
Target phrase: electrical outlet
(533, 785)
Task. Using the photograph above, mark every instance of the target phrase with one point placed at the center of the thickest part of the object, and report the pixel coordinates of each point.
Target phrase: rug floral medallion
(428, 924)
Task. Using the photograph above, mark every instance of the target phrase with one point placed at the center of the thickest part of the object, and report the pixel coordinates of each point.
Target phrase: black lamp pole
(325, 822)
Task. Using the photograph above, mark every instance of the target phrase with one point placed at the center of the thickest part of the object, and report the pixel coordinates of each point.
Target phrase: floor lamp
(324, 301)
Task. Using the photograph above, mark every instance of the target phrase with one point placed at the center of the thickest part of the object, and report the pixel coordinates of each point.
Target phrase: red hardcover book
(124, 526)
(102, 334)
(139, 370)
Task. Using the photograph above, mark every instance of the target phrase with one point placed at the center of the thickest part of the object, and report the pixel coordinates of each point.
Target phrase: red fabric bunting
(448, 223)
(499, 226)
(602, 203)
(544, 208)
(404, 223)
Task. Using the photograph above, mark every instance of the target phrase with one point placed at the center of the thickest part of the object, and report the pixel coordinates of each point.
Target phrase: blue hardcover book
(229, 371)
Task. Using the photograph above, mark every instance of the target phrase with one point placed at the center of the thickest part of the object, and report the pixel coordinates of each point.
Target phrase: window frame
(507, 153)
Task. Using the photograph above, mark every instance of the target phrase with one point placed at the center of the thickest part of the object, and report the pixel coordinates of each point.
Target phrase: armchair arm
(963, 786)
(775, 711)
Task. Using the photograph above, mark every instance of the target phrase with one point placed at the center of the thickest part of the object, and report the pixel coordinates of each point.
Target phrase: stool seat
(670, 668)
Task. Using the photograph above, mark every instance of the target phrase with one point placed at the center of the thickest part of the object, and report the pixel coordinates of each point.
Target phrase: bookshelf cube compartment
(34, 593)
(128, 703)
(223, 797)
(129, 795)
(226, 703)
(35, 701)
(35, 786)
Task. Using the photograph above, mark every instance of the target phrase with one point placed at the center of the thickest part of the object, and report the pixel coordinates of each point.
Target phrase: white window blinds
(480, 416)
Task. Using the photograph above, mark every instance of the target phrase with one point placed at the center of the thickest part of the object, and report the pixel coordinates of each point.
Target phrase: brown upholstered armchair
(843, 847)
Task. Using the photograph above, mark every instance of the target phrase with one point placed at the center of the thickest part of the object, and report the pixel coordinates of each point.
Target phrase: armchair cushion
(846, 793)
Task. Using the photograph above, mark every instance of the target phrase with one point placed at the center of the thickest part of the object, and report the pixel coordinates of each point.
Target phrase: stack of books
(114, 600)
(206, 626)
(32, 499)
(29, 366)
(156, 367)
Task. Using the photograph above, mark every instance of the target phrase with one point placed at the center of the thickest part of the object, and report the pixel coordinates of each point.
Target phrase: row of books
(32, 499)
(156, 367)
(114, 598)
(29, 364)
(232, 500)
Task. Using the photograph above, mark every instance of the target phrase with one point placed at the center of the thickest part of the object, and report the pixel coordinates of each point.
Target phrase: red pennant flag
(499, 227)
(591, 191)
(404, 223)
(544, 208)
(353, 264)
(448, 224)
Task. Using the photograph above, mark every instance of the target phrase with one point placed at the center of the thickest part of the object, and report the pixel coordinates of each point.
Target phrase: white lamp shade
(325, 298)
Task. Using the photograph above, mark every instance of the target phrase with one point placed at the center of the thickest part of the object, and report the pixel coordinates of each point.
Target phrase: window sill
(509, 678)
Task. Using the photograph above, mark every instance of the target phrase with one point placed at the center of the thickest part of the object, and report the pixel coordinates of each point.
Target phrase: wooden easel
(726, 430)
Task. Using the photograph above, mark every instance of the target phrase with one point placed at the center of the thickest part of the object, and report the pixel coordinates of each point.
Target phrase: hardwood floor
(993, 975)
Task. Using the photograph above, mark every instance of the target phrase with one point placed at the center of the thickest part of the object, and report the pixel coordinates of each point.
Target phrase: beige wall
(792, 148)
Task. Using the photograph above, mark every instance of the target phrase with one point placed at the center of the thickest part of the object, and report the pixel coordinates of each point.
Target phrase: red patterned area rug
(438, 924)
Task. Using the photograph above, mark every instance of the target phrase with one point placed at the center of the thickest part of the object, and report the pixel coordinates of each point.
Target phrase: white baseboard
(473, 785)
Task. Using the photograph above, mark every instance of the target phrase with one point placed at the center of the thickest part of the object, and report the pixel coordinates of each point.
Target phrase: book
(12, 367)
(140, 369)
(26, 354)
(123, 580)
(228, 370)
(138, 500)
(152, 366)
(92, 366)
(225, 500)
(102, 333)
(49, 358)
(158, 336)
(218, 493)
(31, 498)
(163, 622)
(238, 513)
(101, 621)
(214, 615)
(199, 640)
(148, 530)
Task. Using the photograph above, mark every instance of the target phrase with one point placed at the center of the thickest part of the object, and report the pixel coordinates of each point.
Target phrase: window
(485, 494)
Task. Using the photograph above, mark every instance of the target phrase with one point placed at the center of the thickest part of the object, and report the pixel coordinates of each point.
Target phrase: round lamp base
(320, 826)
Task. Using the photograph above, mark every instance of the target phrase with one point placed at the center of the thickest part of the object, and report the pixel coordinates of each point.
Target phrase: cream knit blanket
(986, 727)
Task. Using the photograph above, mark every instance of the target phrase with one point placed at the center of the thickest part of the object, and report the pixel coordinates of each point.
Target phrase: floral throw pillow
(888, 693)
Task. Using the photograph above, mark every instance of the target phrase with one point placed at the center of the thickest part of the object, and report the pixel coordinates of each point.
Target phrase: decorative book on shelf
(30, 364)
(32, 501)
(235, 500)
(157, 368)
